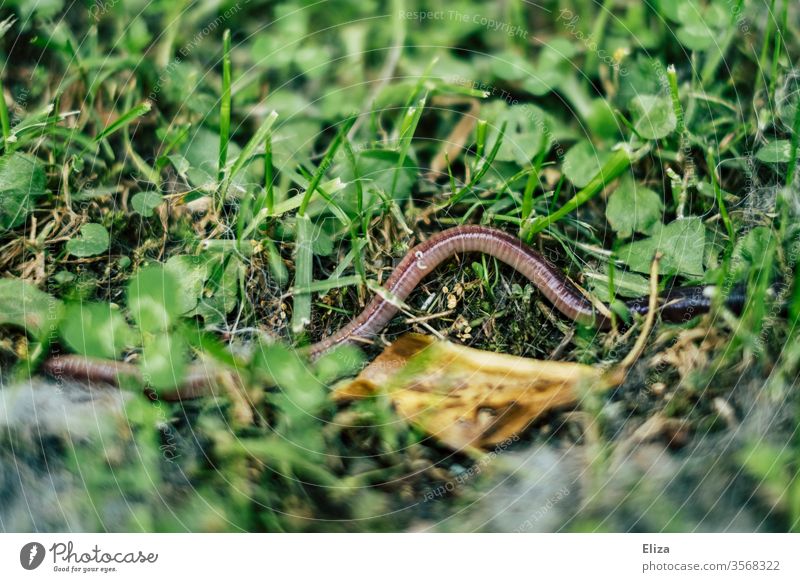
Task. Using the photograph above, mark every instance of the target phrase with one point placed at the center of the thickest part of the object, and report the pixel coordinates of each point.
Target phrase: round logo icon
(31, 555)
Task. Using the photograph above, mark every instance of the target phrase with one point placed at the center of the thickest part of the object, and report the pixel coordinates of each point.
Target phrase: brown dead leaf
(470, 398)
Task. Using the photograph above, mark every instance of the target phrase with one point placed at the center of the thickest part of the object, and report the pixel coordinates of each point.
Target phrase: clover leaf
(92, 241)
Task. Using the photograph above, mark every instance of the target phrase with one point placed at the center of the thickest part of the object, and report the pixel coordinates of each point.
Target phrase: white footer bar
(401, 557)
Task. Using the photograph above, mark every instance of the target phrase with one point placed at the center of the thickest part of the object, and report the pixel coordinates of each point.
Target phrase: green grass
(285, 150)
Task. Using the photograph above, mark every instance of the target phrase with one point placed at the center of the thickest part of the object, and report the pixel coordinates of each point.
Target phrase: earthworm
(199, 379)
(677, 304)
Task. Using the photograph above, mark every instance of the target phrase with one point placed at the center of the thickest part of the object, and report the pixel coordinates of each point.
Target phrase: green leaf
(701, 23)
(22, 181)
(23, 305)
(601, 120)
(527, 134)
(583, 162)
(191, 273)
(92, 241)
(653, 116)
(681, 242)
(95, 330)
(645, 77)
(673, 9)
(145, 202)
(510, 66)
(342, 361)
(697, 36)
(778, 151)
(164, 361)
(201, 153)
(152, 298)
(278, 48)
(301, 392)
(553, 67)
(633, 208)
(222, 290)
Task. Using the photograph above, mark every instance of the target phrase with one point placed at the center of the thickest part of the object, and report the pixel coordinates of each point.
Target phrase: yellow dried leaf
(470, 398)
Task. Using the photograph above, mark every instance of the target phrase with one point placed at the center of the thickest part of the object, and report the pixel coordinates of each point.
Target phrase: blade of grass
(767, 34)
(4, 119)
(224, 107)
(333, 207)
(480, 138)
(268, 202)
(150, 173)
(170, 145)
(294, 202)
(790, 172)
(339, 213)
(484, 168)
(780, 39)
(249, 149)
(325, 164)
(408, 128)
(170, 25)
(276, 265)
(326, 285)
(672, 77)
(423, 78)
(123, 120)
(244, 215)
(530, 186)
(387, 72)
(619, 162)
(351, 159)
(450, 175)
(349, 258)
(303, 262)
(723, 211)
